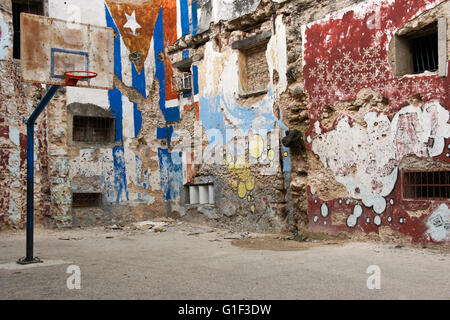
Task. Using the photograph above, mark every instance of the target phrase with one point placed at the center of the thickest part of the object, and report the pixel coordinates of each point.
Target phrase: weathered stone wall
(367, 126)
(317, 144)
(17, 100)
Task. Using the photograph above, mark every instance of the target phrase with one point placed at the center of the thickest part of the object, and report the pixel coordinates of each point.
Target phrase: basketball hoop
(72, 77)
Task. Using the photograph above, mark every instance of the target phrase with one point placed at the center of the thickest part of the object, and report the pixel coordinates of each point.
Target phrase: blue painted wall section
(195, 79)
(138, 81)
(184, 11)
(171, 171)
(194, 17)
(115, 102)
(170, 165)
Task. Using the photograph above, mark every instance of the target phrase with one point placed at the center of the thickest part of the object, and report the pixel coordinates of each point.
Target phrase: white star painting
(132, 23)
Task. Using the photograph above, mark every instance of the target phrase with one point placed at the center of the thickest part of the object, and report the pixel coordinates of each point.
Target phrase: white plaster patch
(366, 161)
(14, 135)
(439, 224)
(277, 57)
(4, 39)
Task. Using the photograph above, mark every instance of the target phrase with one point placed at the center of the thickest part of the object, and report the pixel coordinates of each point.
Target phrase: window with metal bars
(93, 129)
(426, 184)
(425, 53)
(18, 6)
(86, 200)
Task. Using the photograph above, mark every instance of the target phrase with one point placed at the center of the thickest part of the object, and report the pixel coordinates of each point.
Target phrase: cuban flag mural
(143, 29)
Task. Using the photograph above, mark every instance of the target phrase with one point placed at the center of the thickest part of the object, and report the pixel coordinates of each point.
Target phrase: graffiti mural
(364, 145)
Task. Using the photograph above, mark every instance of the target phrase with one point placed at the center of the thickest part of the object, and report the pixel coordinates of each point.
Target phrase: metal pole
(30, 190)
(30, 174)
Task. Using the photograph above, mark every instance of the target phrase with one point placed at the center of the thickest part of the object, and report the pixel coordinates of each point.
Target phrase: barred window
(86, 200)
(426, 184)
(93, 129)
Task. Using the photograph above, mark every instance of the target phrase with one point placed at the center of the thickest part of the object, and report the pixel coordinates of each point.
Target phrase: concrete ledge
(45, 263)
(246, 95)
(249, 42)
(183, 64)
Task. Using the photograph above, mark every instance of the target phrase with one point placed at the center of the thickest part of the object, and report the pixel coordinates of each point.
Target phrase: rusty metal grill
(92, 129)
(426, 184)
(425, 53)
(86, 200)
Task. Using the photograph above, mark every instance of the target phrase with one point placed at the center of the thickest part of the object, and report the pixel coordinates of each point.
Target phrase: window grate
(92, 129)
(86, 200)
(426, 184)
(425, 53)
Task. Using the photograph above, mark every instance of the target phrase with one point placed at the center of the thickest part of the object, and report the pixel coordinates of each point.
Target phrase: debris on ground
(114, 227)
(159, 229)
(70, 238)
(164, 219)
(193, 233)
(148, 225)
(245, 235)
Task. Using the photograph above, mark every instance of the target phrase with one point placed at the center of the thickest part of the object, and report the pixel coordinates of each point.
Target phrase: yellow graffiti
(256, 146)
(244, 181)
(242, 191)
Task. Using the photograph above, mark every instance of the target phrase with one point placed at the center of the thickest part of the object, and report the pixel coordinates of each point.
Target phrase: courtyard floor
(190, 261)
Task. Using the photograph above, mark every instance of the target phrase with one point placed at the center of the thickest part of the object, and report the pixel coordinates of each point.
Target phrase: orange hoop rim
(72, 77)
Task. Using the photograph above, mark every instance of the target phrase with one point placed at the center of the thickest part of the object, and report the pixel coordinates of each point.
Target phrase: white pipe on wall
(193, 195)
(211, 193)
(203, 191)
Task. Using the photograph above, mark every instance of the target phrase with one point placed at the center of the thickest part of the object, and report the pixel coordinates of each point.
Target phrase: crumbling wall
(366, 125)
(17, 101)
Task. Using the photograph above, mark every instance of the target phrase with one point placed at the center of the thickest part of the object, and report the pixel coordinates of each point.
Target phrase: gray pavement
(181, 264)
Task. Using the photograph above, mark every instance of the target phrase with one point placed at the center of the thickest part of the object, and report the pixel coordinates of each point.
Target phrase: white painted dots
(389, 219)
(316, 218)
(377, 220)
(324, 210)
(357, 211)
(391, 202)
(401, 220)
(352, 219)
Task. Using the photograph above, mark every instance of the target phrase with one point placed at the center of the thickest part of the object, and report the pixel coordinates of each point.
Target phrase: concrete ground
(197, 262)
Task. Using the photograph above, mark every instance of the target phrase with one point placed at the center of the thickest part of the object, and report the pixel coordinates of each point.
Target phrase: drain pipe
(30, 174)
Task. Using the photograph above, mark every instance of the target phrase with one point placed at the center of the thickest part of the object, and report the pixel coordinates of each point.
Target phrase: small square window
(93, 129)
(426, 184)
(425, 53)
(256, 70)
(253, 68)
(86, 200)
(421, 50)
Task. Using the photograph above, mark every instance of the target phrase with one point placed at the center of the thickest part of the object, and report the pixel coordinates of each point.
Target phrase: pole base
(25, 261)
